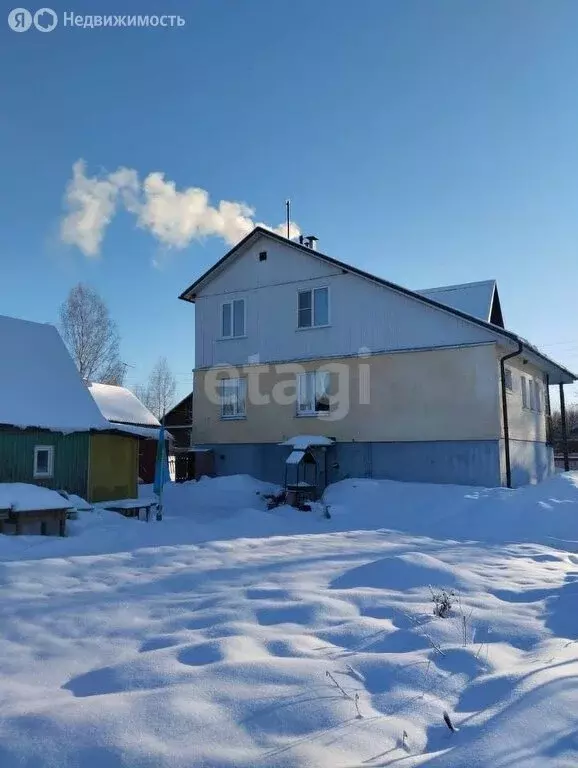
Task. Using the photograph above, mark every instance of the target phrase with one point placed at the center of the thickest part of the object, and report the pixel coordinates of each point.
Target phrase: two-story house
(419, 386)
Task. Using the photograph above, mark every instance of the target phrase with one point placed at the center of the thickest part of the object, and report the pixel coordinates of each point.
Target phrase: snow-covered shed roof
(295, 457)
(39, 383)
(150, 433)
(121, 405)
(25, 497)
(477, 299)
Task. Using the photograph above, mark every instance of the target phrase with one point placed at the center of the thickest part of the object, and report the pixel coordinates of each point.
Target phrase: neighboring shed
(28, 509)
(52, 433)
(190, 462)
(122, 407)
(180, 422)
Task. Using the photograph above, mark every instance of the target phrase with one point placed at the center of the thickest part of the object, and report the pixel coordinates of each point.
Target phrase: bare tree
(571, 423)
(91, 336)
(158, 394)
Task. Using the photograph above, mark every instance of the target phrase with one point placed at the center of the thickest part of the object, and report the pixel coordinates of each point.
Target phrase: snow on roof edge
(119, 404)
(302, 442)
(27, 497)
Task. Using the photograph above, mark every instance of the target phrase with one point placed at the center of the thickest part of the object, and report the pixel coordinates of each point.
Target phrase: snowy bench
(131, 507)
(32, 509)
(30, 521)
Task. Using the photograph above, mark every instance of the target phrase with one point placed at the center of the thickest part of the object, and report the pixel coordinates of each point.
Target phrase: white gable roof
(39, 383)
(472, 298)
(120, 404)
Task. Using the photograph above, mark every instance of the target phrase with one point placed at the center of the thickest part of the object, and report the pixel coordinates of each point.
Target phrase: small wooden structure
(47, 522)
(304, 479)
(124, 410)
(301, 477)
(179, 422)
(31, 509)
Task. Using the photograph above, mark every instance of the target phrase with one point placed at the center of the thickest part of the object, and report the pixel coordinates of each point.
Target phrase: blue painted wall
(475, 462)
(530, 461)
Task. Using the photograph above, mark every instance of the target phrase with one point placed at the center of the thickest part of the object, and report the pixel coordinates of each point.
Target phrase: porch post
(549, 436)
(564, 431)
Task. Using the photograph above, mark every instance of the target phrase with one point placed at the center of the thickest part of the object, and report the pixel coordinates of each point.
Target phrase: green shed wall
(70, 458)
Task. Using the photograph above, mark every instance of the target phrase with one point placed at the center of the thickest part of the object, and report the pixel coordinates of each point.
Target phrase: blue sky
(430, 142)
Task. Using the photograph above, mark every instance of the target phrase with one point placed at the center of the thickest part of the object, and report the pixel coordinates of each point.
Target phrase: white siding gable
(363, 314)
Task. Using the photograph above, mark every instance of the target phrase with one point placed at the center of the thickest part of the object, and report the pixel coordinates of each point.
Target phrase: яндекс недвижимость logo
(45, 20)
(21, 20)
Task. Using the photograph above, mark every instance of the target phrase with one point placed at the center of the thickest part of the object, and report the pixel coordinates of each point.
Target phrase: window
(508, 379)
(233, 319)
(531, 394)
(313, 308)
(537, 397)
(233, 396)
(525, 402)
(43, 460)
(313, 393)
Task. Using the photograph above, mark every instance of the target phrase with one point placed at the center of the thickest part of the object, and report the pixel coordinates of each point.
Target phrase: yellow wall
(113, 472)
(446, 394)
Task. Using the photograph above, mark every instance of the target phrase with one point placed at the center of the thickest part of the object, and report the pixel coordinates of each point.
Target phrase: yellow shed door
(113, 472)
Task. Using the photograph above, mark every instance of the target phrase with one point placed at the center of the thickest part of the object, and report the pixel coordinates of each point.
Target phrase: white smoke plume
(175, 218)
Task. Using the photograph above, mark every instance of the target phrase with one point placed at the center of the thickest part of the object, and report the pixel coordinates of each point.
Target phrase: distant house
(411, 385)
(51, 431)
(122, 407)
(189, 462)
(179, 420)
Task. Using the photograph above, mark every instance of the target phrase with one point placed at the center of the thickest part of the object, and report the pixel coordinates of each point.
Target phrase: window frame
(538, 396)
(231, 304)
(536, 400)
(50, 471)
(532, 394)
(525, 392)
(314, 412)
(508, 373)
(311, 291)
(238, 415)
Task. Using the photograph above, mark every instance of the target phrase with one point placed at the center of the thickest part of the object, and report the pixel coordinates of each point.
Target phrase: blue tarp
(162, 464)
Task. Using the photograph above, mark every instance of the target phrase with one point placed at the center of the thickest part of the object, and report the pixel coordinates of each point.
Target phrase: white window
(233, 397)
(525, 401)
(509, 379)
(313, 308)
(531, 394)
(535, 396)
(43, 460)
(233, 319)
(313, 393)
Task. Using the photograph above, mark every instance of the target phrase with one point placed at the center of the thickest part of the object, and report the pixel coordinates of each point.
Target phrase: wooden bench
(131, 507)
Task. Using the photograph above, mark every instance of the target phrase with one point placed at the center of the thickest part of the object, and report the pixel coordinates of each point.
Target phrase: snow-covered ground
(230, 636)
